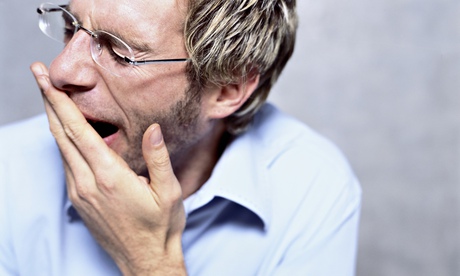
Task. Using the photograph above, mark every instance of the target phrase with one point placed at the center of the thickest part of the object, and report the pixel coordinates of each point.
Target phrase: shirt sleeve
(7, 258)
(332, 249)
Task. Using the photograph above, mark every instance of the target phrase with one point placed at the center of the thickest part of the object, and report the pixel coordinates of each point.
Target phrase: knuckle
(162, 163)
(74, 131)
(174, 197)
(104, 183)
(73, 196)
(83, 192)
(56, 130)
(107, 177)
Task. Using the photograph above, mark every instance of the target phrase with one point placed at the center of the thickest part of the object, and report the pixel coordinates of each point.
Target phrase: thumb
(158, 163)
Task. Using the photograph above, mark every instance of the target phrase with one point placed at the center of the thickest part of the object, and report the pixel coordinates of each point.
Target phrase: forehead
(145, 20)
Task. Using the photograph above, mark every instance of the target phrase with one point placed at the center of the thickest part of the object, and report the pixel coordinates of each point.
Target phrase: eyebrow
(133, 43)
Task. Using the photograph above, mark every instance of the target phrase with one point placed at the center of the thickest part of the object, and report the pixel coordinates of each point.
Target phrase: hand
(138, 221)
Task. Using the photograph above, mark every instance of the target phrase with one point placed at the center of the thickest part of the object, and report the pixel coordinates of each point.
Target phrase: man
(165, 159)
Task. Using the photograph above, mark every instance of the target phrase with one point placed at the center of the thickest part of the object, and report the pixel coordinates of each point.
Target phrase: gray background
(381, 79)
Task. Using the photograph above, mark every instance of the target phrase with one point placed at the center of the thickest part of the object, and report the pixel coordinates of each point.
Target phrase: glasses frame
(78, 26)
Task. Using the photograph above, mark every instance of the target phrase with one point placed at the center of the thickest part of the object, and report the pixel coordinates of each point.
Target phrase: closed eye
(118, 57)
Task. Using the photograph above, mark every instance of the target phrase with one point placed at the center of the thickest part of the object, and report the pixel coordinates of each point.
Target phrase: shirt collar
(238, 177)
(241, 174)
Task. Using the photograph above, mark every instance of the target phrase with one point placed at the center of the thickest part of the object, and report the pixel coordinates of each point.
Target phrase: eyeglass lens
(107, 50)
(56, 23)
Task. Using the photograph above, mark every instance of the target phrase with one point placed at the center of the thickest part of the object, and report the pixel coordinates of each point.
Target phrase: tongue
(104, 129)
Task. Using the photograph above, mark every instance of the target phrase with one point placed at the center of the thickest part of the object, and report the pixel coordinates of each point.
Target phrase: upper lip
(91, 120)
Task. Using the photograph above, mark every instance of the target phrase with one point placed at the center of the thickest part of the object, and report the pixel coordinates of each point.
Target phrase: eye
(114, 47)
(119, 58)
(68, 34)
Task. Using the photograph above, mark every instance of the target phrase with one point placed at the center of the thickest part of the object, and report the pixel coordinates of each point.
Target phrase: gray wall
(381, 79)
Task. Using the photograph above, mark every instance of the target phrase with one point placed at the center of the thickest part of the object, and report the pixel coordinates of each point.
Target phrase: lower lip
(109, 140)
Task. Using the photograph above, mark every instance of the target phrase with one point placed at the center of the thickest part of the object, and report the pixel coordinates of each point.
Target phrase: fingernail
(155, 136)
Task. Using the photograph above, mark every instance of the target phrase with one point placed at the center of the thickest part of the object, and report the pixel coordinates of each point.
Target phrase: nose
(73, 70)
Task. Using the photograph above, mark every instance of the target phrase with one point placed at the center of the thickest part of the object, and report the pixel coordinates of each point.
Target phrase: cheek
(149, 88)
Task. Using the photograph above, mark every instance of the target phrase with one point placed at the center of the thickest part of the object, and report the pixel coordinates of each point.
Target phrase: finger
(74, 127)
(65, 145)
(70, 181)
(162, 178)
(41, 77)
(56, 126)
(39, 70)
(74, 163)
(71, 119)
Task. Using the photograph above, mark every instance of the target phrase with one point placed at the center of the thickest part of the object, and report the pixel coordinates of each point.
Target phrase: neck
(194, 166)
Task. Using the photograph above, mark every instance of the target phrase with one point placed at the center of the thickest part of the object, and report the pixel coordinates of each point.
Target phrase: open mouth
(104, 129)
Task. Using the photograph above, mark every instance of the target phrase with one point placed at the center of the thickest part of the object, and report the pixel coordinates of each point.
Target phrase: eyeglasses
(107, 50)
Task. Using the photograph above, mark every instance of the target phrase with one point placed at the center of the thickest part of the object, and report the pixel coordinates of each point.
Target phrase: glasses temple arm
(141, 62)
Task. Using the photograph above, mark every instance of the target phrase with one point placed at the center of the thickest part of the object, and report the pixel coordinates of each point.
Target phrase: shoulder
(28, 135)
(285, 140)
(32, 187)
(27, 150)
(303, 169)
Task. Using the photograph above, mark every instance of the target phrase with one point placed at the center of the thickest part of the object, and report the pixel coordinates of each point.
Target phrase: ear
(225, 100)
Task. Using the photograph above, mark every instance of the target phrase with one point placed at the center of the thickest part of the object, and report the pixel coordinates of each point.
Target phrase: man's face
(122, 108)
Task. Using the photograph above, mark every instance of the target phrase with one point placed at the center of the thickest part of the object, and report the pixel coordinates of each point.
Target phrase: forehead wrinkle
(109, 18)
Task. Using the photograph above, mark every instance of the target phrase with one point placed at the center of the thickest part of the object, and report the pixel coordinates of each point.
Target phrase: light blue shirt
(282, 200)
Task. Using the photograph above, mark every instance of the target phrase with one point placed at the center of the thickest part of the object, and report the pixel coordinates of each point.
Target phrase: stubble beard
(179, 126)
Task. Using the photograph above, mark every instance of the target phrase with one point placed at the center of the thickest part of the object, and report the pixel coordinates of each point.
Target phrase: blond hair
(231, 40)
